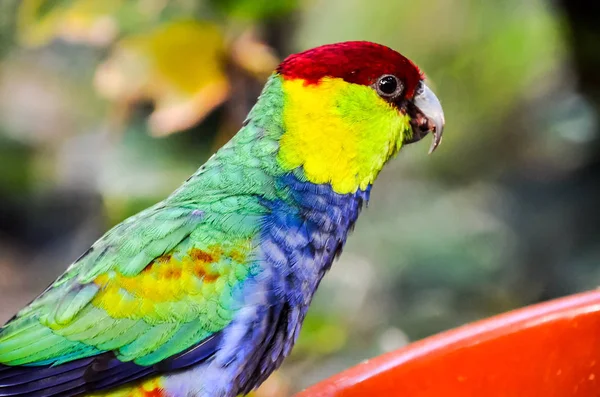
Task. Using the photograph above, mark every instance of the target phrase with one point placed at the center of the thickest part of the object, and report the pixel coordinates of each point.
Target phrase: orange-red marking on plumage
(168, 278)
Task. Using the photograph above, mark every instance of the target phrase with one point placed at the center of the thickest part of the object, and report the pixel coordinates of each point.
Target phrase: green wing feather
(153, 286)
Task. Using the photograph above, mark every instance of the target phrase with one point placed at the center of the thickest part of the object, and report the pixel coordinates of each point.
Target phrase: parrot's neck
(342, 144)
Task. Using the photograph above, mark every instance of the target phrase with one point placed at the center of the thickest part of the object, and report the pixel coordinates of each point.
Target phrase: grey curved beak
(430, 107)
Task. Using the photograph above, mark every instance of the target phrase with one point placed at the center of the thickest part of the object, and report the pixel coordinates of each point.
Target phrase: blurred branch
(583, 22)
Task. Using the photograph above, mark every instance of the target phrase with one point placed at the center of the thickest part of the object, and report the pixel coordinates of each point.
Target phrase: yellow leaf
(179, 66)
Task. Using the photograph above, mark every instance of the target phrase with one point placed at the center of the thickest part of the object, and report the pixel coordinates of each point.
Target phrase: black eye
(388, 86)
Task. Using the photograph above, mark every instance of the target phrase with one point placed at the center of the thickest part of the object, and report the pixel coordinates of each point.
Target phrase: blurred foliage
(154, 54)
(255, 9)
(165, 67)
(503, 215)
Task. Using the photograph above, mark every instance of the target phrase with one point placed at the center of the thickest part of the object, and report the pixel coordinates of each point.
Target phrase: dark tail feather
(13, 376)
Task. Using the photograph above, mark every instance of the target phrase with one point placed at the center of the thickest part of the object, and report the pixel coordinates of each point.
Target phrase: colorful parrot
(204, 293)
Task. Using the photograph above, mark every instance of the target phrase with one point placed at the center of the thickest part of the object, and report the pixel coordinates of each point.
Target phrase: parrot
(204, 294)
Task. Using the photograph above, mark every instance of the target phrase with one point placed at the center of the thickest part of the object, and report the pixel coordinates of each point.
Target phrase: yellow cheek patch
(340, 133)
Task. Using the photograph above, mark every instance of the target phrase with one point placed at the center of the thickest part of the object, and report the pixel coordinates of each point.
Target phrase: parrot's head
(348, 108)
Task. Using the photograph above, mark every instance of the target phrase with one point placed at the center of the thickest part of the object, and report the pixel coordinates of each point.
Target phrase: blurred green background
(107, 106)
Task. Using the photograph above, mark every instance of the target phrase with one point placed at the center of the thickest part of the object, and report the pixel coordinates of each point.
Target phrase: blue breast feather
(300, 240)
